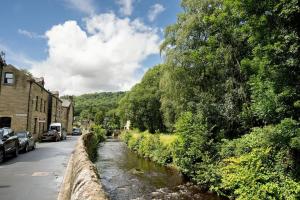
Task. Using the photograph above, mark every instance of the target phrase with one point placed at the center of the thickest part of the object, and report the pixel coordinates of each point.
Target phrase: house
(68, 114)
(25, 104)
(23, 101)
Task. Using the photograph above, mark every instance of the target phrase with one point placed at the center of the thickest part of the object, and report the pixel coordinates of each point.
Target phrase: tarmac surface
(38, 174)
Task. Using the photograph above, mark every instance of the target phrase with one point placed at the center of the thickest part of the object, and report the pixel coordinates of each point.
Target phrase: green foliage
(100, 108)
(97, 137)
(142, 104)
(262, 164)
(151, 146)
(195, 151)
(99, 132)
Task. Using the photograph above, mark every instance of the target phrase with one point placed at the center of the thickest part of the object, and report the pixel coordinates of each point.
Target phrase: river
(124, 175)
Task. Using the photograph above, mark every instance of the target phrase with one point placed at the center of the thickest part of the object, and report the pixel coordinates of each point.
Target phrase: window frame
(5, 78)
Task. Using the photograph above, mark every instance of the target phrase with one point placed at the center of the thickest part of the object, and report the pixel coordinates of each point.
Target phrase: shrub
(151, 146)
(98, 136)
(195, 152)
(262, 164)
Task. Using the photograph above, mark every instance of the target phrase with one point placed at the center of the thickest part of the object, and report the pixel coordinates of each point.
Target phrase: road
(38, 174)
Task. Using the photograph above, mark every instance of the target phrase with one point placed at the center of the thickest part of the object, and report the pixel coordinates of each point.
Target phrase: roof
(66, 103)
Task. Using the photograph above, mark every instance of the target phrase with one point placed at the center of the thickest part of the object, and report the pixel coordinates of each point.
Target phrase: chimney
(55, 93)
(40, 81)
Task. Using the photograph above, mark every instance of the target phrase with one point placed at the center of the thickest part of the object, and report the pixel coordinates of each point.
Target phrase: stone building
(68, 114)
(55, 108)
(25, 104)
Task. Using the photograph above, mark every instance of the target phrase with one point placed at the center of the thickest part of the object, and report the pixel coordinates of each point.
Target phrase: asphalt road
(38, 174)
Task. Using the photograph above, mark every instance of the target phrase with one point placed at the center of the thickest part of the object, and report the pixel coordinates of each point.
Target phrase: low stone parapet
(81, 180)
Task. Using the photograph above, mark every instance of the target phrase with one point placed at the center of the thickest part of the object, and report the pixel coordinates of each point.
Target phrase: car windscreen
(21, 135)
(77, 130)
(56, 128)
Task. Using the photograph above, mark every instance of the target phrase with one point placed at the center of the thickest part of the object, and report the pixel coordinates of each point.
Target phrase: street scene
(37, 174)
(150, 100)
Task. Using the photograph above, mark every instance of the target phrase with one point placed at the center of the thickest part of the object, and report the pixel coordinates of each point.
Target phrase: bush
(98, 136)
(195, 153)
(99, 133)
(262, 164)
(151, 146)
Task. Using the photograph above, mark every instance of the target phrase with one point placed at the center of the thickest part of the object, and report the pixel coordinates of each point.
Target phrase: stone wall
(81, 181)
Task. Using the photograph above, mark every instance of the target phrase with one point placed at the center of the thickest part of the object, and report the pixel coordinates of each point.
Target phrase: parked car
(61, 131)
(51, 135)
(26, 141)
(76, 131)
(9, 143)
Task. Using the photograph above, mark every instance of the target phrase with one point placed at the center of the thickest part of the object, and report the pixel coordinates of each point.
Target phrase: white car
(58, 127)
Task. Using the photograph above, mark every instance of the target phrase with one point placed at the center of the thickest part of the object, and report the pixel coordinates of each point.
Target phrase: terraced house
(25, 104)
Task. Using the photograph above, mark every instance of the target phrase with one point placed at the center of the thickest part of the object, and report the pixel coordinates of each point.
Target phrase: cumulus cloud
(30, 34)
(126, 6)
(105, 55)
(154, 11)
(85, 6)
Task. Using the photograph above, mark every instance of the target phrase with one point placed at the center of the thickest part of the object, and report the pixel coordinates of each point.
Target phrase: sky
(85, 46)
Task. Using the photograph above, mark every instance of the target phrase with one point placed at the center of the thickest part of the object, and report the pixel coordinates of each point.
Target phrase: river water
(124, 175)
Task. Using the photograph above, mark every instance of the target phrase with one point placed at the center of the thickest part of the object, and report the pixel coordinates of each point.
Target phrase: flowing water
(124, 175)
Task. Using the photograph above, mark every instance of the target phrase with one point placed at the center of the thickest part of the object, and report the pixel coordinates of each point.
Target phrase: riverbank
(126, 175)
(156, 147)
(250, 166)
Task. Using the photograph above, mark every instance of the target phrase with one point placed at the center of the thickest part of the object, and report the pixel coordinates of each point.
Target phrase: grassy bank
(157, 147)
(263, 164)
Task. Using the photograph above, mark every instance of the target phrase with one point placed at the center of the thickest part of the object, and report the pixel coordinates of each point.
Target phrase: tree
(142, 104)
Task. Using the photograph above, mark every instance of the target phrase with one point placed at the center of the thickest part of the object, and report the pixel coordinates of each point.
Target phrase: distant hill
(104, 101)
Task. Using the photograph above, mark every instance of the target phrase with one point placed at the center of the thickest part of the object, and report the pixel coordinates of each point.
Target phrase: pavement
(38, 174)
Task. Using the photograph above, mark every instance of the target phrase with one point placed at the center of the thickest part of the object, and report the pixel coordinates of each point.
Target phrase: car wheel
(26, 149)
(2, 155)
(16, 153)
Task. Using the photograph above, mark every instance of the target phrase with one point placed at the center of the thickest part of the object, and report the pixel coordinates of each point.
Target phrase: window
(8, 78)
(36, 103)
(45, 106)
(41, 105)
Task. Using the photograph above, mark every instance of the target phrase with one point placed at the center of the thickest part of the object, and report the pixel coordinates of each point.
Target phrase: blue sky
(26, 44)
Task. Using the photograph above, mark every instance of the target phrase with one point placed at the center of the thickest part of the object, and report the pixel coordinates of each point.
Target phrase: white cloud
(29, 34)
(85, 6)
(126, 6)
(105, 56)
(154, 11)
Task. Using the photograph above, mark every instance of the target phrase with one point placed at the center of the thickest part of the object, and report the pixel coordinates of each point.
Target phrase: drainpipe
(1, 70)
(2, 64)
(28, 108)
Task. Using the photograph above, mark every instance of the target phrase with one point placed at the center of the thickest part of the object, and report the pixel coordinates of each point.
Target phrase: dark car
(9, 143)
(76, 131)
(51, 135)
(26, 141)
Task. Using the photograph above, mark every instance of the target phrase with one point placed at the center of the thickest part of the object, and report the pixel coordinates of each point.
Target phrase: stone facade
(68, 114)
(25, 104)
(55, 108)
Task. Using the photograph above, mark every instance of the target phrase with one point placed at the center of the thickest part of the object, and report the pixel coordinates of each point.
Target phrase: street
(37, 174)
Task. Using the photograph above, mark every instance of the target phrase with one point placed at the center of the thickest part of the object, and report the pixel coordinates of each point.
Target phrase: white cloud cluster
(126, 6)
(85, 6)
(104, 56)
(154, 11)
(30, 34)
